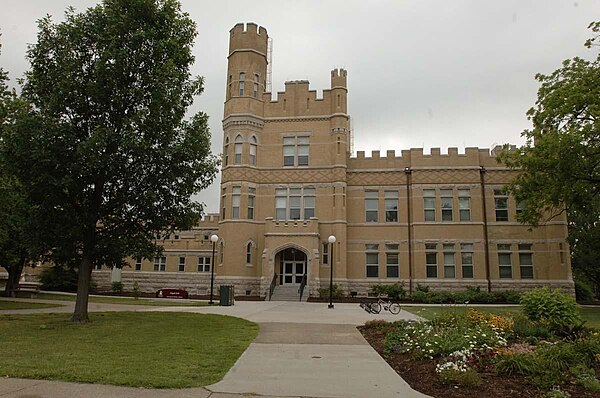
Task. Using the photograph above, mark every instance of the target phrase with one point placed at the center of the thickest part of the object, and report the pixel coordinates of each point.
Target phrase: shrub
(551, 308)
(395, 291)
(583, 291)
(557, 394)
(474, 295)
(58, 278)
(586, 378)
(422, 288)
(337, 292)
(419, 296)
(589, 349)
(467, 379)
(511, 364)
(117, 287)
(136, 290)
(507, 296)
(523, 327)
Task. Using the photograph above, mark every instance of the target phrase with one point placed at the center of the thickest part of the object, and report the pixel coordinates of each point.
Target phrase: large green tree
(560, 161)
(111, 162)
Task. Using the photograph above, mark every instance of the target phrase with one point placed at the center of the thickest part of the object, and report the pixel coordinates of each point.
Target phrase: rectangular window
(160, 264)
(204, 264)
(223, 197)
(242, 83)
(447, 206)
(181, 264)
(431, 259)
(253, 154)
(237, 149)
(391, 206)
(392, 260)
(294, 203)
(235, 202)
(505, 261)
(466, 256)
(449, 261)
(295, 151)
(429, 204)
(371, 206)
(255, 91)
(138, 264)
(464, 204)
(251, 196)
(372, 260)
(526, 260)
(325, 254)
(501, 205)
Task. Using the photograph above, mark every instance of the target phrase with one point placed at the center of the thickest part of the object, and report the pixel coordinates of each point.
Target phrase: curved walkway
(302, 350)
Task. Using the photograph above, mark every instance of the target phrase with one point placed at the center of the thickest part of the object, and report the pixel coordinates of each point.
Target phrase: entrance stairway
(288, 293)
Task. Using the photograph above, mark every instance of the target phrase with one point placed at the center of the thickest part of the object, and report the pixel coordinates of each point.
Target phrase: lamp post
(213, 238)
(331, 240)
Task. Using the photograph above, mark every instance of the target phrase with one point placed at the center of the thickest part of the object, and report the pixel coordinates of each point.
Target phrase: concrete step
(288, 293)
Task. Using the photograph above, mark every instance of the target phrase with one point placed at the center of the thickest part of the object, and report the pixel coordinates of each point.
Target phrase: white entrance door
(292, 267)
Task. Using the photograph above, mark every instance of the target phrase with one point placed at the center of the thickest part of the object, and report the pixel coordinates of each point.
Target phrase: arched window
(253, 151)
(226, 151)
(249, 253)
(237, 149)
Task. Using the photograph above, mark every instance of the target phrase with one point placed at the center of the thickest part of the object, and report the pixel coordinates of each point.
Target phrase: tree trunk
(14, 274)
(83, 290)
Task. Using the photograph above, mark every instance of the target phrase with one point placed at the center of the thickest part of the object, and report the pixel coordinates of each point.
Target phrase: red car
(172, 293)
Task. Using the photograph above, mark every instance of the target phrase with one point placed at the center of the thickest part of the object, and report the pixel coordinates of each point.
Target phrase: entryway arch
(291, 265)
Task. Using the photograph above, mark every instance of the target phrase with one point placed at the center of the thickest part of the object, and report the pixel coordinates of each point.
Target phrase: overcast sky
(420, 73)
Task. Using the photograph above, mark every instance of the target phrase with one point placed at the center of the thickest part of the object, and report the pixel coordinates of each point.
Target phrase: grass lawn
(124, 300)
(23, 305)
(589, 314)
(159, 350)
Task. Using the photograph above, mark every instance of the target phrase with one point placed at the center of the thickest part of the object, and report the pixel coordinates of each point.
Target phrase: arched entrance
(292, 266)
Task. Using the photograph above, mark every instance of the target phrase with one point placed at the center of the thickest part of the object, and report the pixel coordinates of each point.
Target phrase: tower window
(235, 203)
(242, 83)
(253, 151)
(255, 90)
(237, 149)
(251, 196)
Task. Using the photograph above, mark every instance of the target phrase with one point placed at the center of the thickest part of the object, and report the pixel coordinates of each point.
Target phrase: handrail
(302, 286)
(272, 287)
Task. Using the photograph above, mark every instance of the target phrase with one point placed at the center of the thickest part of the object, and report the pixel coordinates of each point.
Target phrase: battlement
(338, 78)
(248, 36)
(415, 158)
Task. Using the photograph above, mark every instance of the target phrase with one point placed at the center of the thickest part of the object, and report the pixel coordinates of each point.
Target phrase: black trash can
(226, 295)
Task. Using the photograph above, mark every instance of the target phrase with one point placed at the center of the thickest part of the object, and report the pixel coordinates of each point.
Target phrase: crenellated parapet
(248, 37)
(415, 159)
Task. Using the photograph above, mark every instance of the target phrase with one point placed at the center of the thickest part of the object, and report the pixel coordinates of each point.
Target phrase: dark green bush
(551, 308)
(467, 379)
(583, 291)
(395, 291)
(507, 296)
(337, 293)
(419, 296)
(422, 288)
(117, 287)
(521, 364)
(59, 279)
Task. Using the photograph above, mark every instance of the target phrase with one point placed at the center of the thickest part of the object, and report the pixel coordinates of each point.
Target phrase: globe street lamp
(331, 240)
(213, 238)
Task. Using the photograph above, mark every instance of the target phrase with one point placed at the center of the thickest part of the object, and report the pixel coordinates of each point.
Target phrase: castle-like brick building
(289, 182)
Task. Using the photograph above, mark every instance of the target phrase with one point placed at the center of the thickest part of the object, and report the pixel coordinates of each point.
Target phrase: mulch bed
(421, 376)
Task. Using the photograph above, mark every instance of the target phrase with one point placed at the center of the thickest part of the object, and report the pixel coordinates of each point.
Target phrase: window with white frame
(204, 264)
(429, 204)
(501, 205)
(464, 204)
(226, 151)
(181, 264)
(251, 198)
(253, 147)
(392, 263)
(391, 206)
(255, 88)
(235, 202)
(526, 260)
(294, 203)
(160, 264)
(295, 151)
(237, 150)
(449, 261)
(372, 260)
(504, 261)
(249, 253)
(466, 256)
(431, 260)
(325, 254)
(138, 264)
(372, 206)
(447, 205)
(242, 83)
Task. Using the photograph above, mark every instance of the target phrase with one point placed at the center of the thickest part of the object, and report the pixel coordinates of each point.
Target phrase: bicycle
(394, 308)
(369, 307)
